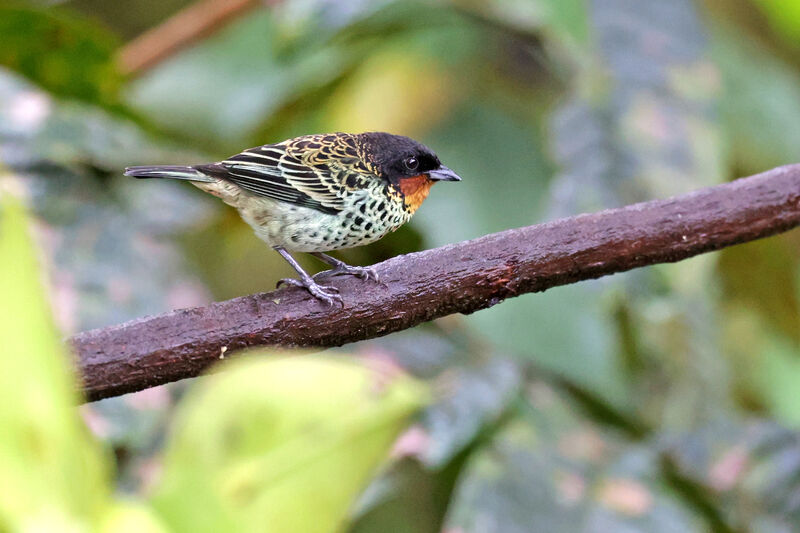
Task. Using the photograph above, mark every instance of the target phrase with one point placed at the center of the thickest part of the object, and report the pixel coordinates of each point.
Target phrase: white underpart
(293, 227)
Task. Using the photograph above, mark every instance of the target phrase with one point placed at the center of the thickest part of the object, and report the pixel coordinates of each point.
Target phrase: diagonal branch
(459, 278)
(180, 31)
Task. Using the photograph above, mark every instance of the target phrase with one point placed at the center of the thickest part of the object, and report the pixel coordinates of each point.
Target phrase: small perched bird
(318, 193)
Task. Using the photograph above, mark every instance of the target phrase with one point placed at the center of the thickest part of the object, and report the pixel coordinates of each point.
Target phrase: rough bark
(459, 278)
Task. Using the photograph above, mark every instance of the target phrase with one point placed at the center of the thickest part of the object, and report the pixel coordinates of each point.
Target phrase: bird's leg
(340, 267)
(326, 294)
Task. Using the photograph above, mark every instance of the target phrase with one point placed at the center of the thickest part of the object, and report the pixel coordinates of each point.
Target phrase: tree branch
(180, 31)
(459, 278)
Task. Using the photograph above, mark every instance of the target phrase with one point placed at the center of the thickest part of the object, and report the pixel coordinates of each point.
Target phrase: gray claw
(365, 273)
(326, 293)
(320, 292)
(368, 273)
(289, 281)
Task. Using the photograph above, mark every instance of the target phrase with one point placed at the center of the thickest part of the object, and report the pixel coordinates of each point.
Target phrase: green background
(664, 399)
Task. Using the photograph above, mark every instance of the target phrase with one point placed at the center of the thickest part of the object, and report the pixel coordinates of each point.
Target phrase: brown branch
(459, 278)
(180, 31)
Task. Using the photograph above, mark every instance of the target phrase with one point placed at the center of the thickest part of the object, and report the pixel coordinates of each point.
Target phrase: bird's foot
(341, 269)
(326, 293)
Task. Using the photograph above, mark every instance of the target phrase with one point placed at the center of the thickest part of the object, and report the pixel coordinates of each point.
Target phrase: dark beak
(443, 174)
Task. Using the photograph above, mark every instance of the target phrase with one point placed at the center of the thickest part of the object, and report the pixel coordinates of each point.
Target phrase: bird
(321, 192)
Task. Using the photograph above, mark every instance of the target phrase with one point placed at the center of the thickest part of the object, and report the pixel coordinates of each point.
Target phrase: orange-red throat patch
(415, 189)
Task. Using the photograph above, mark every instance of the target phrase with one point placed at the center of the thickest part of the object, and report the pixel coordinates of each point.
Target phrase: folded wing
(295, 172)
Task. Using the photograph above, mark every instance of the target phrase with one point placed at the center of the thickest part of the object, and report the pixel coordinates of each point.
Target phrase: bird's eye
(411, 163)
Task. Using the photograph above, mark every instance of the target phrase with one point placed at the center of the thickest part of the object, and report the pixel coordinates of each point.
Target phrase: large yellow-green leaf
(783, 16)
(131, 517)
(51, 472)
(281, 444)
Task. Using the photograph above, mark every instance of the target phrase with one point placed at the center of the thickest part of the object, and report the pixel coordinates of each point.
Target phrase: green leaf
(642, 123)
(783, 16)
(409, 498)
(488, 148)
(760, 104)
(568, 18)
(261, 445)
(760, 277)
(472, 388)
(67, 55)
(236, 81)
(129, 517)
(552, 472)
(563, 20)
(113, 242)
(51, 471)
(752, 465)
(477, 393)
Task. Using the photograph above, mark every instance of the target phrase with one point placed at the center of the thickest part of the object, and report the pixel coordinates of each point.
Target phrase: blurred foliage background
(664, 399)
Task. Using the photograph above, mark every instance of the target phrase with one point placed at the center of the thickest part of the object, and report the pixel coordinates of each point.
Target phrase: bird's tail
(173, 172)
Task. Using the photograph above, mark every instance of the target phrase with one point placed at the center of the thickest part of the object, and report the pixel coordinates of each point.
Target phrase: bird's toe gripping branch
(326, 293)
(342, 268)
(365, 273)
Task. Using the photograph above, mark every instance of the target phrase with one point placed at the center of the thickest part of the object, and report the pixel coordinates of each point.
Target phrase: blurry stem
(183, 29)
(700, 497)
(597, 407)
(458, 278)
(630, 351)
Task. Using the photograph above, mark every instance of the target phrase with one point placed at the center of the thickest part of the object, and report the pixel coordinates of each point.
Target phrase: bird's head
(409, 167)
